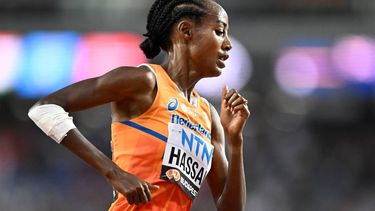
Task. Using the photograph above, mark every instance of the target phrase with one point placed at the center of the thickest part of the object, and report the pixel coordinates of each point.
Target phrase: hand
(134, 189)
(234, 111)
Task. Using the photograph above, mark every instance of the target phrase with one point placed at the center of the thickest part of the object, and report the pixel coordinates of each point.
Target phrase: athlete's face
(211, 44)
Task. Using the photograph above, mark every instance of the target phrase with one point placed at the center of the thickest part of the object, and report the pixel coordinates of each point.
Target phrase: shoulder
(142, 75)
(129, 80)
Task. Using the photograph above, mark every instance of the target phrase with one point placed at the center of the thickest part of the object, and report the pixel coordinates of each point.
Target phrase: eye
(220, 32)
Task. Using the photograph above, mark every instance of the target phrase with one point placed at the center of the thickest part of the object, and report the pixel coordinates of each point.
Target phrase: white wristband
(53, 120)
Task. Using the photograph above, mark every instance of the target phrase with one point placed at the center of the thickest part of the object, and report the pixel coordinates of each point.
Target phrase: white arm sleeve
(53, 120)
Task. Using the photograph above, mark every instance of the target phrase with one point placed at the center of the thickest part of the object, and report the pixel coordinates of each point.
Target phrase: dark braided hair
(163, 14)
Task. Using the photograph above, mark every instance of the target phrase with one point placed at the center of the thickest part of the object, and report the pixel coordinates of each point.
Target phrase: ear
(185, 29)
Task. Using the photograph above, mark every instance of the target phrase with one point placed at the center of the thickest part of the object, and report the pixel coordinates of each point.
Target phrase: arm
(227, 179)
(121, 84)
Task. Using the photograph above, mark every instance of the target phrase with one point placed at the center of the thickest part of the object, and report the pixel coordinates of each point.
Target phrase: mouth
(220, 63)
(221, 60)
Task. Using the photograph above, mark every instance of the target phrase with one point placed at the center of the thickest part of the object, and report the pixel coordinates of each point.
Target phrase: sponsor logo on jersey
(172, 104)
(190, 111)
(173, 174)
(177, 119)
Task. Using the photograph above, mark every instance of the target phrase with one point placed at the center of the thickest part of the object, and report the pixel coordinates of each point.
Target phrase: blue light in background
(47, 62)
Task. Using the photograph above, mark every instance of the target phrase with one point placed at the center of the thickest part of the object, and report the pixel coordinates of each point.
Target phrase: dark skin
(131, 91)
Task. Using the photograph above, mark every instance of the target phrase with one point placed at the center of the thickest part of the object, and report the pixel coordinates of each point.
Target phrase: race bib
(187, 158)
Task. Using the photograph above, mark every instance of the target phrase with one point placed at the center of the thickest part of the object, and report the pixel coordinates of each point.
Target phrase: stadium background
(306, 67)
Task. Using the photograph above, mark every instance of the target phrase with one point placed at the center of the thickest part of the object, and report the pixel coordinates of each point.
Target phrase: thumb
(224, 91)
(153, 187)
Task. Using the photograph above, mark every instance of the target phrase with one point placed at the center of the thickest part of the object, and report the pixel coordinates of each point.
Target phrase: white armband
(53, 120)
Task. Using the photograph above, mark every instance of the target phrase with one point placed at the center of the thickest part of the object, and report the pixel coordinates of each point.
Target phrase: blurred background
(306, 67)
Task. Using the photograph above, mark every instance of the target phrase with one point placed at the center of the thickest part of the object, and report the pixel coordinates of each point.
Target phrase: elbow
(44, 101)
(49, 100)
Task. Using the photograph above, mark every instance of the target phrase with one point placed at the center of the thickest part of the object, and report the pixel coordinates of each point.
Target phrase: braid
(163, 14)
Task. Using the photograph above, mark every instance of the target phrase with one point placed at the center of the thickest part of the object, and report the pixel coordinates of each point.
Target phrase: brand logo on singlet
(187, 158)
(173, 104)
(189, 110)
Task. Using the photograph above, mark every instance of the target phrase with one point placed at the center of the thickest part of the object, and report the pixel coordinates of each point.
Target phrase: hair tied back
(150, 47)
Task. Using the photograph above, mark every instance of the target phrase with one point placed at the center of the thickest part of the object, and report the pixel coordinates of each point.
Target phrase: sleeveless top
(169, 145)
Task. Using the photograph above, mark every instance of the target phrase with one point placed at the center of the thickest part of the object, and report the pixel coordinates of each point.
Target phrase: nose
(227, 45)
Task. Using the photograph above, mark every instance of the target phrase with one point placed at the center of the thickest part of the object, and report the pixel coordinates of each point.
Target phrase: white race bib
(187, 158)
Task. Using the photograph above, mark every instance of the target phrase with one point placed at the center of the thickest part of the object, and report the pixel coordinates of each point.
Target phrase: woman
(165, 138)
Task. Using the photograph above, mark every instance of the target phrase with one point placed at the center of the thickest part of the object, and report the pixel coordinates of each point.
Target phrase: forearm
(55, 122)
(80, 146)
(233, 196)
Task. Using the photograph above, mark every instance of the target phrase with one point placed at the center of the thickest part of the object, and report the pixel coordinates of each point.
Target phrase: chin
(214, 73)
(218, 72)
(212, 70)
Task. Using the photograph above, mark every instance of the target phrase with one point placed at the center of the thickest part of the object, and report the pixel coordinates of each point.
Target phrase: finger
(142, 195)
(241, 108)
(136, 197)
(224, 91)
(234, 97)
(152, 187)
(130, 198)
(229, 94)
(147, 192)
(238, 101)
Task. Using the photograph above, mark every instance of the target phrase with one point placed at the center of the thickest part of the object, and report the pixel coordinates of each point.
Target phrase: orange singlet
(169, 145)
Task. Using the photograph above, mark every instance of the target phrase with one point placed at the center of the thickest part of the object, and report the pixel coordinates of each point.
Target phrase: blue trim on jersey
(146, 130)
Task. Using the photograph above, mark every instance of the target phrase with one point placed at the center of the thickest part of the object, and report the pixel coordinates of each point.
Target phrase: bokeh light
(296, 72)
(46, 62)
(354, 58)
(98, 53)
(9, 59)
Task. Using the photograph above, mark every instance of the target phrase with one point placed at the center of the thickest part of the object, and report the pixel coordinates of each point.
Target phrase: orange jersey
(169, 145)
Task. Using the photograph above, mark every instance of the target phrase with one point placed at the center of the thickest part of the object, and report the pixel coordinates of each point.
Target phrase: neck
(182, 72)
